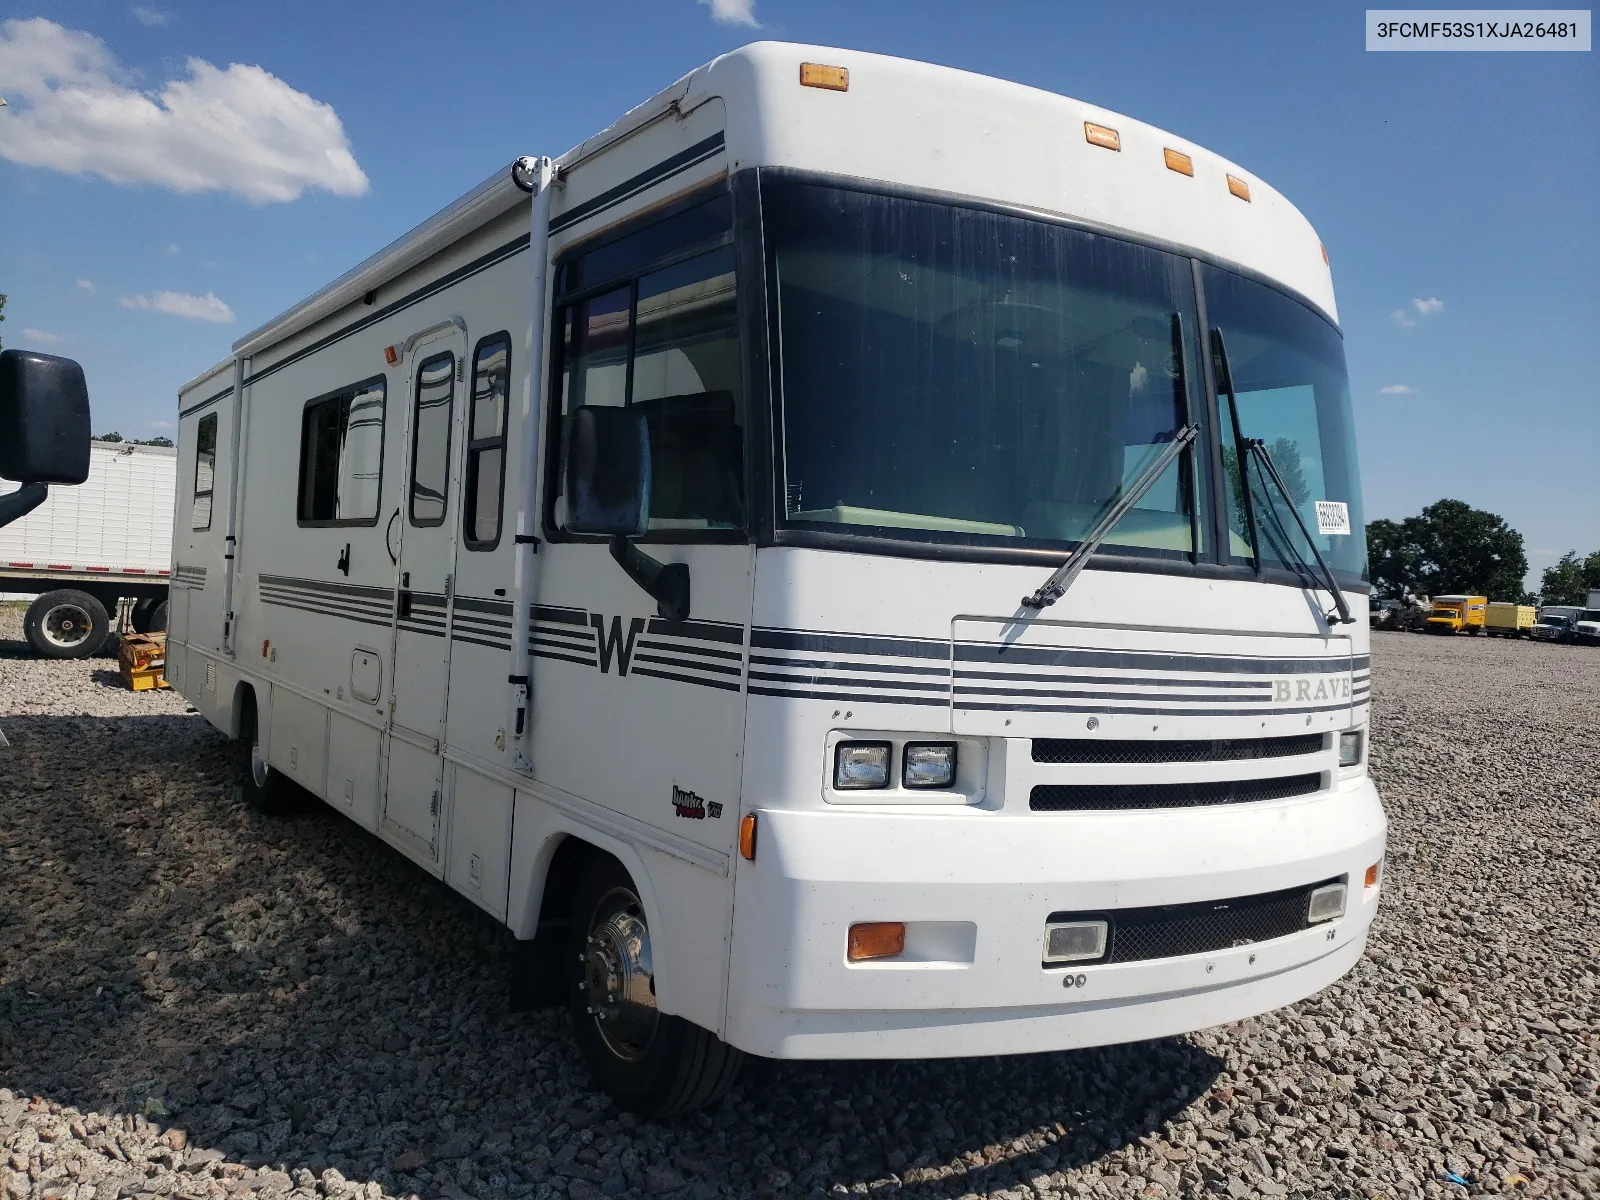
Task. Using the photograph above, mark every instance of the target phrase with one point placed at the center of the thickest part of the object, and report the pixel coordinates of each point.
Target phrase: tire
(266, 789)
(652, 1064)
(66, 623)
(149, 616)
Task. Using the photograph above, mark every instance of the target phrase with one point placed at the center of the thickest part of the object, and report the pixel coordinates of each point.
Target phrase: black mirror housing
(44, 418)
(608, 471)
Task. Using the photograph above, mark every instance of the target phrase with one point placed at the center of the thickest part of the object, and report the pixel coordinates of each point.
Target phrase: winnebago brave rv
(855, 560)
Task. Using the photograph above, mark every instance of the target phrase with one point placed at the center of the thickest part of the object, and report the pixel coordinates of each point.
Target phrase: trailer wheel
(266, 789)
(650, 1063)
(66, 624)
(149, 616)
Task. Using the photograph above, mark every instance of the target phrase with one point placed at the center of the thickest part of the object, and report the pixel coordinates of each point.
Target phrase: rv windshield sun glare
(864, 349)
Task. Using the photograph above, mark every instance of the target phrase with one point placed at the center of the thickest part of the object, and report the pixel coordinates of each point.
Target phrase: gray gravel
(199, 1002)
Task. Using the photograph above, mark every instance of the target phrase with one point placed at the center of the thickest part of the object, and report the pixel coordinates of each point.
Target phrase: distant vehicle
(1503, 619)
(1586, 629)
(87, 548)
(1409, 615)
(1457, 614)
(1555, 623)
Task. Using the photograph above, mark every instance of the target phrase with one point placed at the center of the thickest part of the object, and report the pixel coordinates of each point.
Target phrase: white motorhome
(87, 548)
(662, 546)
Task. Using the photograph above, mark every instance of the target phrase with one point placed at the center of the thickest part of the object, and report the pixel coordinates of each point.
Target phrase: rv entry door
(425, 530)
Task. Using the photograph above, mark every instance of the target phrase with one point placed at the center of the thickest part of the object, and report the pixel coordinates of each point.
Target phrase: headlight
(1350, 748)
(860, 765)
(929, 765)
(1326, 903)
(1074, 941)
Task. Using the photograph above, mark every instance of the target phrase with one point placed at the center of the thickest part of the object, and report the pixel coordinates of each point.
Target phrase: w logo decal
(613, 645)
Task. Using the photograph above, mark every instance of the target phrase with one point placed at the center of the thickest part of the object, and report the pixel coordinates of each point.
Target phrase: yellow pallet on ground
(142, 660)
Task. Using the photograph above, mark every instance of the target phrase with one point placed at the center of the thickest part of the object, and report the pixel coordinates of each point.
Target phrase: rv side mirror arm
(666, 583)
(22, 502)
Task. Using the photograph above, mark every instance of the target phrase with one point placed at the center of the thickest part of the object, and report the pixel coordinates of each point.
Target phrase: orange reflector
(876, 939)
(1100, 135)
(390, 355)
(1239, 187)
(1372, 873)
(747, 837)
(834, 79)
(1324, 250)
(1178, 161)
(265, 643)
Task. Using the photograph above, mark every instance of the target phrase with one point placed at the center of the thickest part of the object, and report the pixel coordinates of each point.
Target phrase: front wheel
(266, 789)
(66, 623)
(651, 1063)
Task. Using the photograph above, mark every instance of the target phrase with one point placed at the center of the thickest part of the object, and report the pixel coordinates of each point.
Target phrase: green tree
(113, 436)
(155, 441)
(1448, 547)
(1570, 580)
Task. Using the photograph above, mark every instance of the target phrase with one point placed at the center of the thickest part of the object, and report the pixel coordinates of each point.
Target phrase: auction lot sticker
(1333, 516)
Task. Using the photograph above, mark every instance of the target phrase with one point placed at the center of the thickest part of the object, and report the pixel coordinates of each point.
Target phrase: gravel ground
(196, 1001)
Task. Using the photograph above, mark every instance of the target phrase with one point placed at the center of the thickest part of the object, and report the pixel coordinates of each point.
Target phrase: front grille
(1172, 931)
(1101, 797)
(1087, 750)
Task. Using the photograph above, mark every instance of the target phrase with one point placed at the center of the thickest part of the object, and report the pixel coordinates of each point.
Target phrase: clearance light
(1373, 872)
(1324, 250)
(1179, 162)
(391, 355)
(1100, 135)
(747, 837)
(1239, 188)
(833, 79)
(876, 939)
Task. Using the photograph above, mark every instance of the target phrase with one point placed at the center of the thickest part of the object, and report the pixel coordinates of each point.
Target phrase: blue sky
(1458, 194)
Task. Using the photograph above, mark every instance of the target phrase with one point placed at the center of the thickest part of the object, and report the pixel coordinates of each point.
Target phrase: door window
(486, 443)
(205, 469)
(430, 445)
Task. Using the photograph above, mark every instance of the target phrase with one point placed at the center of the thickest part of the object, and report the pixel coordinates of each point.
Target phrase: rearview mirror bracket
(666, 583)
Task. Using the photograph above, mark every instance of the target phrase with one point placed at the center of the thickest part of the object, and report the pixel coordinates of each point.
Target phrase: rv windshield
(954, 375)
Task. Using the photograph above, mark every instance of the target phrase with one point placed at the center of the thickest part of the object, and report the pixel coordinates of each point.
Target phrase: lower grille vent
(1172, 931)
(1089, 750)
(1092, 797)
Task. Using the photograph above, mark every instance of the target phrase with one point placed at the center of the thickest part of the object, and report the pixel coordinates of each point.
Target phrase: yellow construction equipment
(143, 659)
(1457, 614)
(1504, 619)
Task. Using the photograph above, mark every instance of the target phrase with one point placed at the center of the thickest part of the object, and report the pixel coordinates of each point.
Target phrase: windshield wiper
(1055, 587)
(1248, 448)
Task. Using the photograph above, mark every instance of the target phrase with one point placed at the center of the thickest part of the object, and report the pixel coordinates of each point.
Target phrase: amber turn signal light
(1372, 873)
(818, 75)
(876, 939)
(747, 837)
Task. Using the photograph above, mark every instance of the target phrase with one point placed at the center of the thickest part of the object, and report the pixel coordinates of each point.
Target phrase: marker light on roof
(1239, 188)
(1178, 161)
(1100, 135)
(817, 75)
(1324, 250)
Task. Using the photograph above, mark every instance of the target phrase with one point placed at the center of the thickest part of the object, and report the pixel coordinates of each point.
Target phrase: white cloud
(1399, 317)
(182, 304)
(1427, 307)
(86, 285)
(161, 425)
(240, 129)
(150, 16)
(733, 12)
(1398, 389)
(42, 335)
(174, 248)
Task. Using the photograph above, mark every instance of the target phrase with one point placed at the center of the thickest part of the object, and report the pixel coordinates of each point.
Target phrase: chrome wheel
(67, 626)
(618, 982)
(258, 763)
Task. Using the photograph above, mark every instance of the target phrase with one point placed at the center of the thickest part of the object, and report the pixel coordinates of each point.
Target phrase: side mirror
(608, 471)
(44, 419)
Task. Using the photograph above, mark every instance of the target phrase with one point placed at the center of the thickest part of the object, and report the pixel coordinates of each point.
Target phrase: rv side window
(666, 342)
(430, 439)
(486, 443)
(341, 456)
(205, 469)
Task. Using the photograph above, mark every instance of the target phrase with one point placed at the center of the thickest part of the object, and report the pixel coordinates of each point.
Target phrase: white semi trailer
(854, 560)
(87, 548)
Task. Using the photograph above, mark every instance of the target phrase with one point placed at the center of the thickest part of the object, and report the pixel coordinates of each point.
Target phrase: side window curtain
(341, 456)
(654, 326)
(486, 443)
(430, 445)
(205, 470)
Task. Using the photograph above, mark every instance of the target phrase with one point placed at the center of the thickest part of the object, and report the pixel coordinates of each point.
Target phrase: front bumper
(985, 882)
